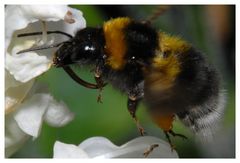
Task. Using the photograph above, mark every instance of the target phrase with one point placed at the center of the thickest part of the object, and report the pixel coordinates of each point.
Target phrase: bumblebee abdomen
(205, 98)
(194, 94)
(198, 80)
(193, 82)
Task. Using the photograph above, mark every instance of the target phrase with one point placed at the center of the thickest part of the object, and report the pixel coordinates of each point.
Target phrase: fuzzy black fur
(141, 40)
(198, 79)
(194, 85)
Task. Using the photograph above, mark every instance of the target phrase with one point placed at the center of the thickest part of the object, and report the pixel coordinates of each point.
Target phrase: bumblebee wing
(160, 87)
(159, 91)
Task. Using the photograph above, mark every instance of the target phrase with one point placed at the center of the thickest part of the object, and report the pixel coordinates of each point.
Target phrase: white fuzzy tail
(205, 120)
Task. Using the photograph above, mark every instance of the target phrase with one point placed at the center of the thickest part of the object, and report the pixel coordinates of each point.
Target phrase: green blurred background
(209, 28)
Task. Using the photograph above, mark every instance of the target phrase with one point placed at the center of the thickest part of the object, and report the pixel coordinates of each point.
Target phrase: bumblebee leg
(148, 151)
(175, 134)
(100, 83)
(169, 140)
(132, 107)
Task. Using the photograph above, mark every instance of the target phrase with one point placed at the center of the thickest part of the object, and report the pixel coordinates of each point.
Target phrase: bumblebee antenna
(73, 75)
(158, 11)
(40, 33)
(42, 47)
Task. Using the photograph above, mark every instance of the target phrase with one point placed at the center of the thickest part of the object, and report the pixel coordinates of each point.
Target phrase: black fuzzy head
(85, 47)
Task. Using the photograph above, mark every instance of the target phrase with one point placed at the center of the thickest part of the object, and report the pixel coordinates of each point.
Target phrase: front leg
(100, 82)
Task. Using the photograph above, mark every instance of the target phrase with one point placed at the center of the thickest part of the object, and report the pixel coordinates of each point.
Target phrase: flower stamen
(69, 17)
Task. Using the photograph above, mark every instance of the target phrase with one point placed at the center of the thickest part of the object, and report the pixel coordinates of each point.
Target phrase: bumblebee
(168, 74)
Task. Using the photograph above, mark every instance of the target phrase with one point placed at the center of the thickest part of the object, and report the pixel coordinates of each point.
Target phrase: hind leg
(165, 122)
(176, 134)
(170, 132)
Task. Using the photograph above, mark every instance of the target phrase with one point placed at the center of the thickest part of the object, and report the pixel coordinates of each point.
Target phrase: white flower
(28, 103)
(25, 19)
(100, 147)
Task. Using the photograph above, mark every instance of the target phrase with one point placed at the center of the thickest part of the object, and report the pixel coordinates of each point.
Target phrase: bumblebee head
(86, 46)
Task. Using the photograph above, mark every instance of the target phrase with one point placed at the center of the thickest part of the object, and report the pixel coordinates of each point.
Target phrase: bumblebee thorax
(128, 42)
(115, 47)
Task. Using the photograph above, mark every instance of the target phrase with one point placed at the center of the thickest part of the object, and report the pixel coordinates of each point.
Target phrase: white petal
(62, 150)
(58, 114)
(29, 115)
(15, 95)
(27, 66)
(19, 16)
(10, 81)
(134, 148)
(80, 22)
(44, 12)
(99, 147)
(14, 136)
